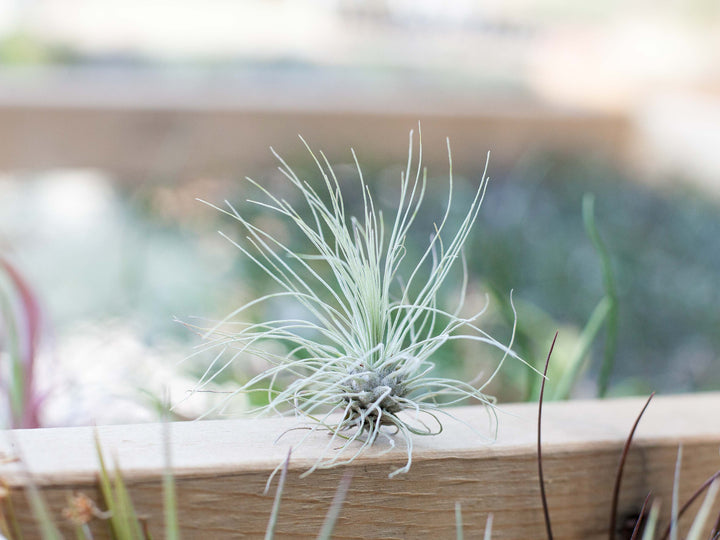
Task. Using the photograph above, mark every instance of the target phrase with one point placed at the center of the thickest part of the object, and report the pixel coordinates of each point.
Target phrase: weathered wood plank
(222, 466)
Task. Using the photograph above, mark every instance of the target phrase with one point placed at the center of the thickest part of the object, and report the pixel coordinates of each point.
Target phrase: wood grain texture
(221, 468)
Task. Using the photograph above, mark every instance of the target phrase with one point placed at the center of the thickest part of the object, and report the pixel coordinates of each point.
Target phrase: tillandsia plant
(361, 359)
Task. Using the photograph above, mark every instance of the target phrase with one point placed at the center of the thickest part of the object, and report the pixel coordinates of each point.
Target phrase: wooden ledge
(157, 128)
(221, 468)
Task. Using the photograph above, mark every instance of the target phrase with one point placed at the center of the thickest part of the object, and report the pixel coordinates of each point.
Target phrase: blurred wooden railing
(142, 126)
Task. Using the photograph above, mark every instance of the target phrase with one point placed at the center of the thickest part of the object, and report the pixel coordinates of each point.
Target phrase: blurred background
(602, 121)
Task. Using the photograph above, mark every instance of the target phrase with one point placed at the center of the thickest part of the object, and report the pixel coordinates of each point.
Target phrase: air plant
(360, 361)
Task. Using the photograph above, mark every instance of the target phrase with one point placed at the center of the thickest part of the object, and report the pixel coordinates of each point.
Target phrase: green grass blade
(580, 355)
(9, 525)
(48, 530)
(700, 521)
(132, 527)
(335, 508)
(458, 522)
(38, 508)
(588, 212)
(172, 526)
(104, 477)
(272, 522)
(123, 521)
(107, 490)
(651, 525)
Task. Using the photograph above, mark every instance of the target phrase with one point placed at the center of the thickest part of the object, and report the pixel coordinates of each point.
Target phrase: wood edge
(244, 457)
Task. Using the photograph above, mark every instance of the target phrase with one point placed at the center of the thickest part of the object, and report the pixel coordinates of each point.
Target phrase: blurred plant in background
(641, 297)
(666, 288)
(20, 334)
(114, 277)
(109, 277)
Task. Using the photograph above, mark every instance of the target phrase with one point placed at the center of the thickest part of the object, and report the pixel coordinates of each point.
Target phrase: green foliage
(170, 509)
(534, 239)
(609, 302)
(48, 530)
(605, 313)
(123, 518)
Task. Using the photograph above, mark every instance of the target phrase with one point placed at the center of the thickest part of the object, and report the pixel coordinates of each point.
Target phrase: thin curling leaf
(359, 361)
